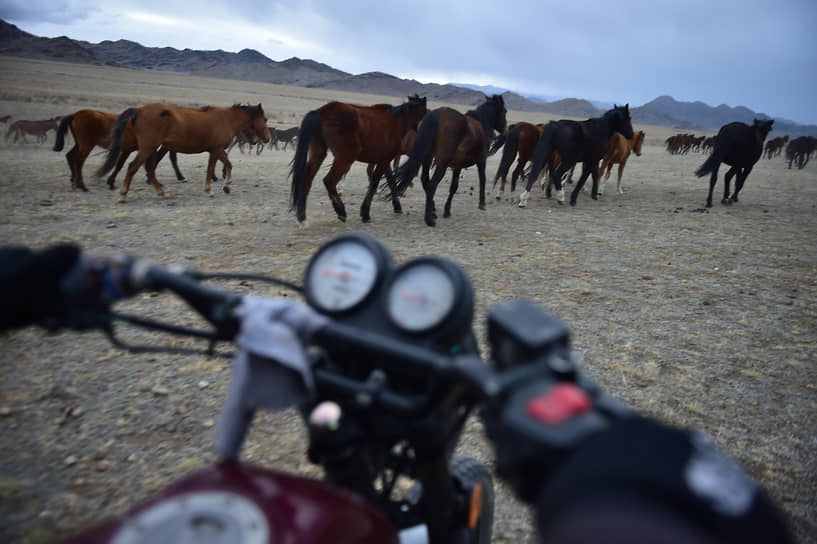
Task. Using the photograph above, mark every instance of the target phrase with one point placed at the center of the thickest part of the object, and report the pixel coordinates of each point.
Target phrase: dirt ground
(704, 318)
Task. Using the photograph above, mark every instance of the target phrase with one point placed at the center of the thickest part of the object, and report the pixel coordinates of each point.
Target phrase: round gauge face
(421, 297)
(342, 275)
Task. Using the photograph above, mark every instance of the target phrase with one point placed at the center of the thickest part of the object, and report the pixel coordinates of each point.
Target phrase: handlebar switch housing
(521, 333)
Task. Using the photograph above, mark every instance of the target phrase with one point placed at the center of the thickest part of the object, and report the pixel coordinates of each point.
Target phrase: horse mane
(254, 111)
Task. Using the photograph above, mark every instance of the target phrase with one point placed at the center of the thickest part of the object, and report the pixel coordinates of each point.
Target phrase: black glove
(30, 282)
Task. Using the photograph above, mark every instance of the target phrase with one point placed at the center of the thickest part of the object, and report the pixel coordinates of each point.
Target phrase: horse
(577, 141)
(800, 149)
(518, 141)
(286, 137)
(740, 146)
(406, 143)
(91, 128)
(5, 119)
(35, 128)
(452, 140)
(775, 146)
(370, 134)
(618, 152)
(183, 130)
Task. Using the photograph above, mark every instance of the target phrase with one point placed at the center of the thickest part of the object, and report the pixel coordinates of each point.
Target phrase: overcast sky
(761, 54)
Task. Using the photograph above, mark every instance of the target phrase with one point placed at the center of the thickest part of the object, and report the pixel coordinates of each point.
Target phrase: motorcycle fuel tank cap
(204, 517)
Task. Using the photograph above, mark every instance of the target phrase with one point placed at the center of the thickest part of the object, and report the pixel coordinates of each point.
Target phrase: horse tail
(116, 140)
(422, 146)
(542, 153)
(297, 195)
(61, 130)
(712, 163)
(508, 154)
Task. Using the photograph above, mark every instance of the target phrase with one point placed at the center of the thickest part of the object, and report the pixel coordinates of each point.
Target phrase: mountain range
(250, 65)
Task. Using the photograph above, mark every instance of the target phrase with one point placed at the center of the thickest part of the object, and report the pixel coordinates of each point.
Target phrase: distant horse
(91, 128)
(740, 146)
(775, 146)
(577, 141)
(518, 141)
(5, 119)
(183, 130)
(800, 149)
(287, 137)
(452, 140)
(39, 129)
(617, 153)
(370, 134)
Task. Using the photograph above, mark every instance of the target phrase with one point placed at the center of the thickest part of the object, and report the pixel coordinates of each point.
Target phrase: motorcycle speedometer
(426, 294)
(344, 272)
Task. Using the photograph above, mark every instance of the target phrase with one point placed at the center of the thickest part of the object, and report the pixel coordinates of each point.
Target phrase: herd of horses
(380, 134)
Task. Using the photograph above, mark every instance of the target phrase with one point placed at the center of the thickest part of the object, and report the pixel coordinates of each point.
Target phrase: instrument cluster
(427, 301)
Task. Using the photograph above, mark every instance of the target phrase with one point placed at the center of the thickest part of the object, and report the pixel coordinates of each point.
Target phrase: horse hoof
(446, 214)
(342, 218)
(226, 189)
(366, 219)
(572, 202)
(482, 206)
(594, 197)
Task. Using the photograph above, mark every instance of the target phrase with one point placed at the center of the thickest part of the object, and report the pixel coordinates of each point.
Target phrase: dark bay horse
(91, 128)
(740, 146)
(618, 152)
(452, 140)
(800, 149)
(159, 128)
(577, 141)
(370, 134)
(286, 137)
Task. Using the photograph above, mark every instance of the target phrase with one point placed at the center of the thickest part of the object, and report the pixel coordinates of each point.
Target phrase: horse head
(620, 117)
(764, 126)
(638, 140)
(416, 109)
(499, 121)
(258, 126)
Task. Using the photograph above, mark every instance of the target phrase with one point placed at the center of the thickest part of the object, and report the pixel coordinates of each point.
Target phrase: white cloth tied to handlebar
(270, 368)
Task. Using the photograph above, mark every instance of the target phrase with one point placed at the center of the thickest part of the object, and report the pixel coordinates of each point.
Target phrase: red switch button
(559, 404)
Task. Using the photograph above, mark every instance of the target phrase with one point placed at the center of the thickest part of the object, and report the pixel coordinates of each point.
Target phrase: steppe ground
(704, 318)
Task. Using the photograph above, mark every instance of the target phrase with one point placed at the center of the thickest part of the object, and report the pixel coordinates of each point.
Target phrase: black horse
(800, 149)
(740, 146)
(577, 141)
(452, 140)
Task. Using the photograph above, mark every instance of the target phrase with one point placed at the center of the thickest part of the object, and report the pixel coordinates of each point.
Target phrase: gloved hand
(30, 282)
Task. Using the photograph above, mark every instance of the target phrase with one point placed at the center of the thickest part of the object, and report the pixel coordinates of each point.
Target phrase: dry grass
(698, 318)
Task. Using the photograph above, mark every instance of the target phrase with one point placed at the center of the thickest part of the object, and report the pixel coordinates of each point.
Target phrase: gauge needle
(415, 297)
(336, 274)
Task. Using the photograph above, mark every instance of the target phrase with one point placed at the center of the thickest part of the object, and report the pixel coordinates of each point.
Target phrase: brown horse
(370, 134)
(617, 153)
(452, 140)
(35, 128)
(405, 148)
(91, 128)
(183, 130)
(520, 141)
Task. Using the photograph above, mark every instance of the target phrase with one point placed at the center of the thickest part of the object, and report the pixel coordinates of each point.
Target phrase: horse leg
(579, 184)
(175, 163)
(726, 182)
(374, 172)
(150, 167)
(740, 180)
(339, 169)
(120, 162)
(556, 178)
(133, 167)
(227, 166)
(153, 161)
(75, 165)
(455, 183)
(211, 168)
(619, 190)
(712, 179)
(431, 188)
(482, 180)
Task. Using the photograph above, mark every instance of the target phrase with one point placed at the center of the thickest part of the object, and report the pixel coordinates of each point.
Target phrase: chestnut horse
(740, 146)
(370, 134)
(520, 141)
(577, 141)
(452, 140)
(91, 128)
(183, 130)
(617, 153)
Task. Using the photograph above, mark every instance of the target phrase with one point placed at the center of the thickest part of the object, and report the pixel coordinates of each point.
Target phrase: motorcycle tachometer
(344, 272)
(421, 296)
